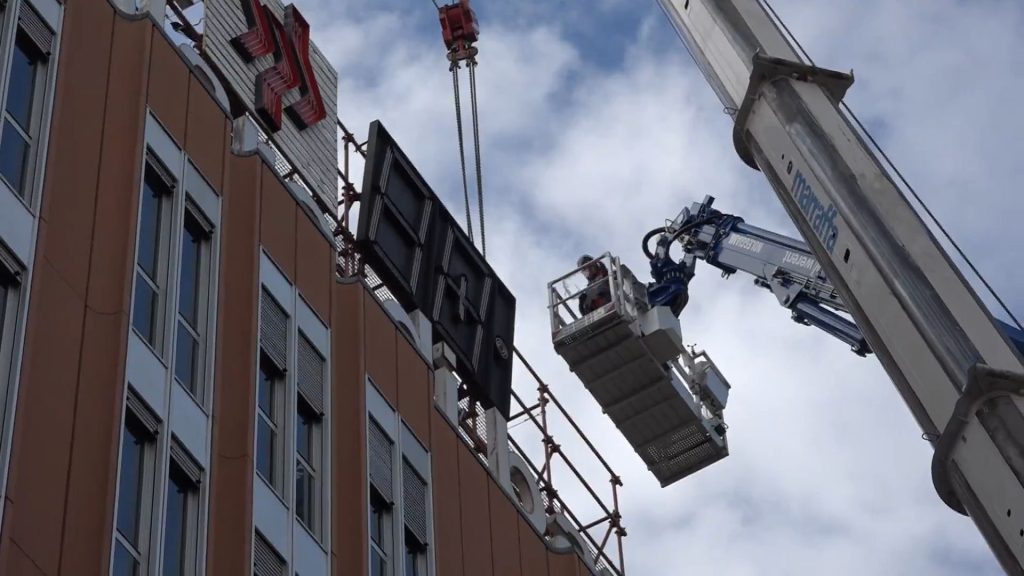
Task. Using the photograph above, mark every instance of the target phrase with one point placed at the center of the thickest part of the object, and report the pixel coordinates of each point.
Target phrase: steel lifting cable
(899, 174)
(479, 165)
(462, 151)
(928, 211)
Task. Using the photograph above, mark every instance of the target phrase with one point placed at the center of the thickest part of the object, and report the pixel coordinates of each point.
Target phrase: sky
(596, 126)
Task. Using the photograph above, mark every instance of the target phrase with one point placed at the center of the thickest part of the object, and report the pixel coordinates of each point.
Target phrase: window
(193, 291)
(134, 490)
(307, 448)
(3, 311)
(170, 356)
(150, 260)
(380, 534)
(380, 454)
(129, 546)
(414, 515)
(176, 523)
(181, 518)
(23, 108)
(400, 517)
(8, 355)
(268, 429)
(271, 393)
(8, 313)
(292, 452)
(308, 434)
(415, 556)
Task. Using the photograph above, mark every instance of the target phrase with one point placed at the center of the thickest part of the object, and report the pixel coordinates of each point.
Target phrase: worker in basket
(597, 293)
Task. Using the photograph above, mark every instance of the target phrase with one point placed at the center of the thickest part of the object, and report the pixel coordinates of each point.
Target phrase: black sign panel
(495, 362)
(427, 261)
(395, 217)
(462, 293)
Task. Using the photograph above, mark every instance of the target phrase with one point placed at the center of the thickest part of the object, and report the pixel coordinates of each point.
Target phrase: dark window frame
(182, 476)
(159, 185)
(194, 225)
(380, 517)
(143, 428)
(30, 32)
(10, 297)
(277, 383)
(415, 561)
(312, 465)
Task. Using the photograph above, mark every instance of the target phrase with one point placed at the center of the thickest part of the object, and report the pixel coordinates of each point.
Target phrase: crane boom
(783, 265)
(959, 374)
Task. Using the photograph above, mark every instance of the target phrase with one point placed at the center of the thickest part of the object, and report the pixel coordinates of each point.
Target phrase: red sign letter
(308, 110)
(289, 43)
(276, 81)
(257, 40)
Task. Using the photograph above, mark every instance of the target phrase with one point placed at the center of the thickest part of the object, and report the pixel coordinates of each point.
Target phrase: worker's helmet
(591, 268)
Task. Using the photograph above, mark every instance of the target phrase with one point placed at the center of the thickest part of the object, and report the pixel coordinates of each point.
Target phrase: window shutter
(414, 497)
(156, 168)
(381, 448)
(311, 375)
(33, 26)
(265, 561)
(186, 462)
(10, 271)
(142, 413)
(273, 330)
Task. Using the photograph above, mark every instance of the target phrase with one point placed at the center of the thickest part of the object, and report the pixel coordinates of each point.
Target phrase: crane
(783, 265)
(869, 272)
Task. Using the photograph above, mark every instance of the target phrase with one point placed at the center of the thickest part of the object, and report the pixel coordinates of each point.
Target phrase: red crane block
(459, 26)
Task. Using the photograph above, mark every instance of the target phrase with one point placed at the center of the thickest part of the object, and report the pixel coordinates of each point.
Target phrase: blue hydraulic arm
(783, 265)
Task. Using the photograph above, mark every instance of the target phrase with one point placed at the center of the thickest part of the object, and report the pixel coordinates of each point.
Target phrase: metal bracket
(768, 69)
(983, 384)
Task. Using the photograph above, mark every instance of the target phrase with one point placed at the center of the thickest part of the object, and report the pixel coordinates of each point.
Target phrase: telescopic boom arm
(958, 372)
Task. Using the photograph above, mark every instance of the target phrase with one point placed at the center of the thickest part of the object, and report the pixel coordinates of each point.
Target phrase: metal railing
(473, 426)
(607, 553)
(627, 295)
(574, 286)
(349, 263)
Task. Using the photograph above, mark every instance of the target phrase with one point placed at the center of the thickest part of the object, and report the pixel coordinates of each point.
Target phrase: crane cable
(471, 65)
(462, 151)
(863, 129)
(479, 164)
(460, 30)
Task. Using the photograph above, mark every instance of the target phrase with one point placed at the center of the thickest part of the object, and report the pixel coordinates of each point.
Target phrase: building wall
(59, 505)
(59, 501)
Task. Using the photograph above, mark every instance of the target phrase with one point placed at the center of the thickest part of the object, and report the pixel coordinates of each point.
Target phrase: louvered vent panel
(265, 561)
(381, 449)
(33, 26)
(273, 330)
(311, 375)
(186, 462)
(145, 416)
(414, 495)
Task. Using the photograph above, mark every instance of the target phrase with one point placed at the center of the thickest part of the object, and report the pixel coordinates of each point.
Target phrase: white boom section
(958, 373)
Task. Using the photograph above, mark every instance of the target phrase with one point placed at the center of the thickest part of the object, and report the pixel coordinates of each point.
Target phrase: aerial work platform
(665, 400)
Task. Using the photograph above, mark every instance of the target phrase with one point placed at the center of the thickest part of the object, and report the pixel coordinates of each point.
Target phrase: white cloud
(827, 473)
